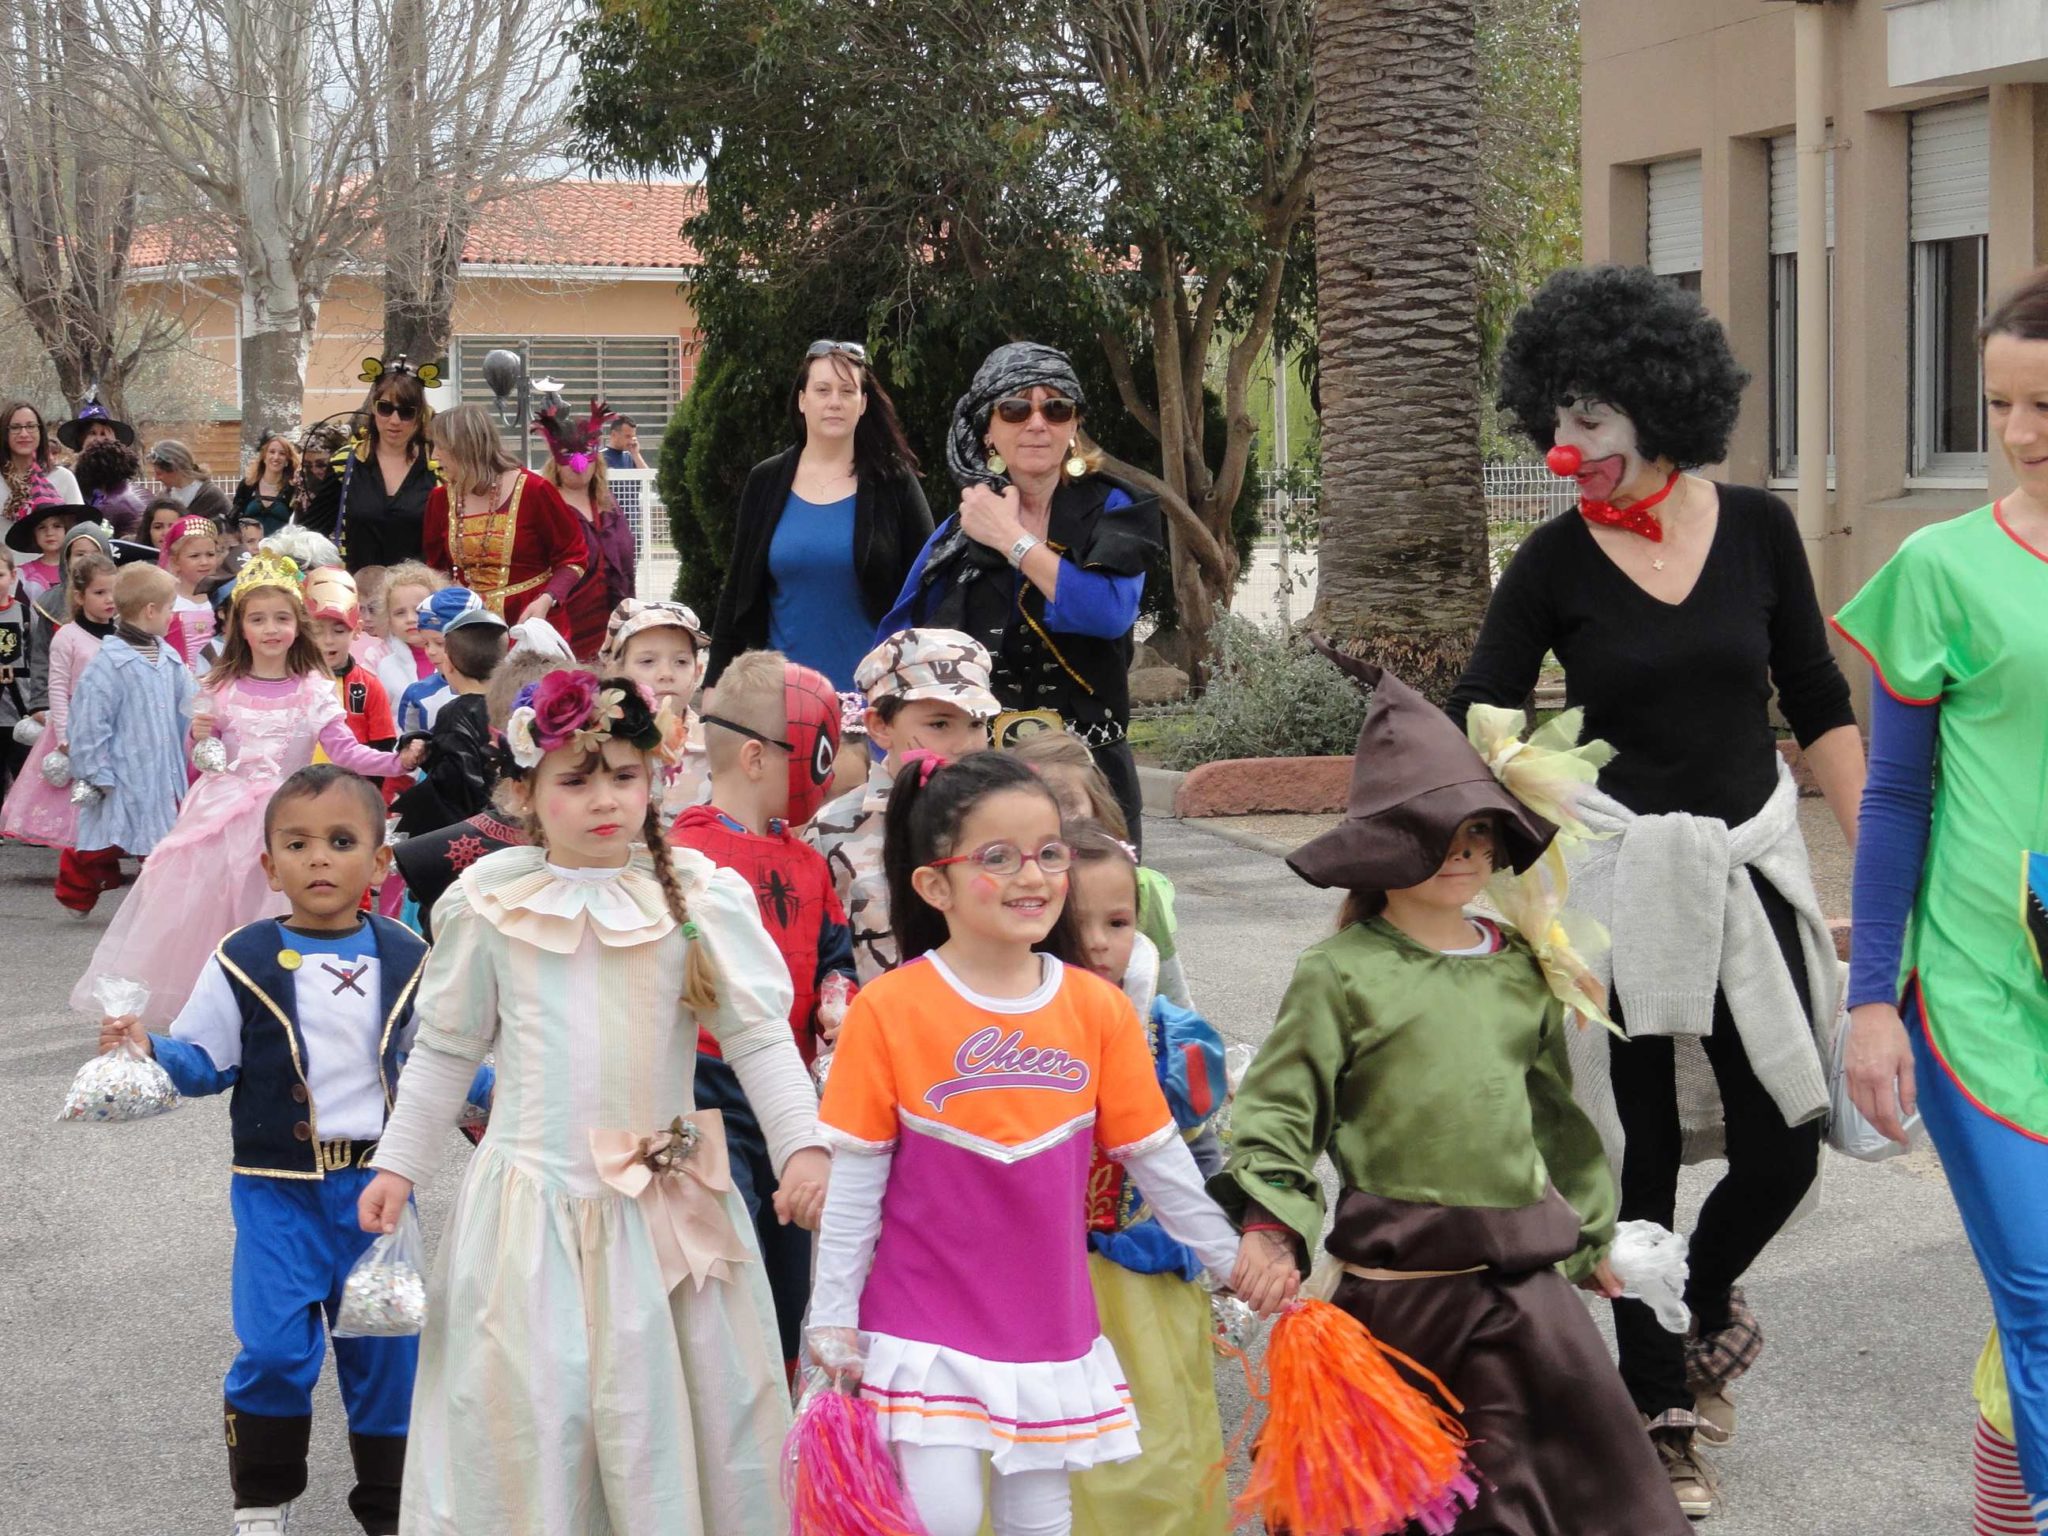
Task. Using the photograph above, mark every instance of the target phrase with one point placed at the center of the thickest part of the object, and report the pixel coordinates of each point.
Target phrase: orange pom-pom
(1350, 1448)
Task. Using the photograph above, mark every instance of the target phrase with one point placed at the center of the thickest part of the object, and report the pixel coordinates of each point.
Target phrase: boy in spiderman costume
(771, 748)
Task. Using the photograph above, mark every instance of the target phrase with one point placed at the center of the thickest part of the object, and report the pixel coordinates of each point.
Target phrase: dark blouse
(378, 528)
(1682, 691)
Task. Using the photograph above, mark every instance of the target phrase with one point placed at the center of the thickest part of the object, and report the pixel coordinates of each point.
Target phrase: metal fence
(1277, 586)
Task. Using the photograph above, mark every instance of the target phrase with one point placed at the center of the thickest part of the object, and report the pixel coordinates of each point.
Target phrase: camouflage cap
(632, 617)
(929, 664)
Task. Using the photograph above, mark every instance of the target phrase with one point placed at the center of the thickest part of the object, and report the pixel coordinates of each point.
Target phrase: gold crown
(268, 569)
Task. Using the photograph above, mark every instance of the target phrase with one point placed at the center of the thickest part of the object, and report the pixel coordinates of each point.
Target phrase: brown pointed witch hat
(1415, 780)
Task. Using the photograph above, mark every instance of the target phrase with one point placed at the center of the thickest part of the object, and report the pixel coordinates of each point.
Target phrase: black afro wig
(1636, 341)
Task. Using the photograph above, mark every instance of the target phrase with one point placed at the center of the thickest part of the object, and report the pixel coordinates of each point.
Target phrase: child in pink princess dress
(36, 810)
(191, 553)
(267, 704)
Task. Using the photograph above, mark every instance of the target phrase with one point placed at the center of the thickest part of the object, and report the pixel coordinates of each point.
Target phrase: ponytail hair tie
(927, 763)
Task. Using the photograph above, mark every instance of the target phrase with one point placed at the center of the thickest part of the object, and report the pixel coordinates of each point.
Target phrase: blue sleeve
(190, 1069)
(1891, 845)
(835, 950)
(1094, 603)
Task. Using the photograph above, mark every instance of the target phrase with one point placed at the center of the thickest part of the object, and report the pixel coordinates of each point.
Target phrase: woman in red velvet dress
(496, 528)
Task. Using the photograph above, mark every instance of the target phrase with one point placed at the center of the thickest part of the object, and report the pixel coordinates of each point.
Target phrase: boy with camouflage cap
(926, 688)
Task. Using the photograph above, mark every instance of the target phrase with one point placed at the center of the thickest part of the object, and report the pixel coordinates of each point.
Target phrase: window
(1676, 240)
(637, 376)
(1785, 308)
(1949, 202)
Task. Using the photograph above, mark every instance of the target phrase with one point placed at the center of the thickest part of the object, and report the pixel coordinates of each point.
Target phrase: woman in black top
(849, 448)
(1675, 605)
(375, 501)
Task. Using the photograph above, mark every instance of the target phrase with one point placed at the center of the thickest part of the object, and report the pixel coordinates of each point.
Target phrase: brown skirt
(1558, 1446)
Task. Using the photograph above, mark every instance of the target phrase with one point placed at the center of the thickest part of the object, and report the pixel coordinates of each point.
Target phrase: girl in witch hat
(1423, 1048)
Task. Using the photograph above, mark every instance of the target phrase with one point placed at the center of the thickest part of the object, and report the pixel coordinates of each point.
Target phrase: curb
(1221, 829)
(1157, 788)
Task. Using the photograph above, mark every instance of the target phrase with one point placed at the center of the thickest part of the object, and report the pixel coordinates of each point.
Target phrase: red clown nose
(1564, 461)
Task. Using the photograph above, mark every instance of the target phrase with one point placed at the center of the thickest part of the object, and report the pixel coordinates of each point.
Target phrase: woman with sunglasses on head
(269, 485)
(826, 529)
(374, 508)
(1045, 561)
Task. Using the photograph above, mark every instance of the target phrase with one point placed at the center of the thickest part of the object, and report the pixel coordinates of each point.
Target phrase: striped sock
(2000, 1495)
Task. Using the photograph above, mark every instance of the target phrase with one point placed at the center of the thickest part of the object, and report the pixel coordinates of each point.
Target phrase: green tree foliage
(1128, 182)
(1529, 213)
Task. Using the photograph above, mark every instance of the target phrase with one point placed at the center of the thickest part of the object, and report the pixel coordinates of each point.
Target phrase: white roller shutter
(1785, 197)
(1676, 241)
(1950, 186)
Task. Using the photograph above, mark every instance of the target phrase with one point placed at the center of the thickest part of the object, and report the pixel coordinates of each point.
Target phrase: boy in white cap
(660, 646)
(926, 689)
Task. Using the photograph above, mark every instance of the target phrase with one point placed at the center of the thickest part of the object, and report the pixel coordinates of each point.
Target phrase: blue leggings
(1999, 1178)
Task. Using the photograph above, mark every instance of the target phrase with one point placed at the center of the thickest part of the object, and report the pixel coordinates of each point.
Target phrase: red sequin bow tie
(1638, 517)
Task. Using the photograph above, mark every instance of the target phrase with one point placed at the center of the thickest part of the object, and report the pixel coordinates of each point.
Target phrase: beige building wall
(1666, 78)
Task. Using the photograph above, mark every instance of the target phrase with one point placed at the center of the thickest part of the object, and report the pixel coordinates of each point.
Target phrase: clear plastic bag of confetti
(56, 769)
(121, 1084)
(210, 755)
(385, 1295)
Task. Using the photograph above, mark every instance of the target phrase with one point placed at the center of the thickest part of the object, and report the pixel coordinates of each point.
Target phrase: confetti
(210, 755)
(56, 769)
(385, 1295)
(119, 1086)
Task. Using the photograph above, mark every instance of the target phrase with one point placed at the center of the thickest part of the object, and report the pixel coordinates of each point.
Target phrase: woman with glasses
(1045, 561)
(32, 480)
(376, 506)
(826, 529)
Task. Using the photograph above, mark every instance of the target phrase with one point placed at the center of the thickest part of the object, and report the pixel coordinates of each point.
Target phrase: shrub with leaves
(1269, 695)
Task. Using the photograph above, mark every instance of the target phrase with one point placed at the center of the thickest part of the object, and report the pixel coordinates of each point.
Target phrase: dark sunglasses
(393, 408)
(1056, 411)
(852, 349)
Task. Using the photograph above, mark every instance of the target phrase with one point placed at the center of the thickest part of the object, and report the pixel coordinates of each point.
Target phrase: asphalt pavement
(115, 1245)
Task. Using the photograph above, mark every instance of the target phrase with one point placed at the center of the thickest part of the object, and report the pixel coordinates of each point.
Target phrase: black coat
(890, 524)
(376, 528)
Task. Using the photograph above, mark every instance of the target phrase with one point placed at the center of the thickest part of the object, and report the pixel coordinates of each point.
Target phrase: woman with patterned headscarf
(1045, 561)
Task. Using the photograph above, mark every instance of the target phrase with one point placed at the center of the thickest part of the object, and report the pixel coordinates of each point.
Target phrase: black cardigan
(1682, 691)
(890, 524)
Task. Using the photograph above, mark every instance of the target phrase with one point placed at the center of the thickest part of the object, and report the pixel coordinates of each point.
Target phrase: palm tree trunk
(1403, 572)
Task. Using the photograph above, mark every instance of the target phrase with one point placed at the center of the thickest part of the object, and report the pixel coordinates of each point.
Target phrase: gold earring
(996, 464)
(1076, 466)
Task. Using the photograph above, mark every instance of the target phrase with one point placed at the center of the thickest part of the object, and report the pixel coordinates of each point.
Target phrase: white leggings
(944, 1484)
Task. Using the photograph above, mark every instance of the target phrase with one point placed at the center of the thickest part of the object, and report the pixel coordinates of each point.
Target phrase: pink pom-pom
(838, 1475)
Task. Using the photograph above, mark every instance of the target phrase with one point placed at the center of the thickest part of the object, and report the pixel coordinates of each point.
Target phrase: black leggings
(1121, 769)
(1770, 1167)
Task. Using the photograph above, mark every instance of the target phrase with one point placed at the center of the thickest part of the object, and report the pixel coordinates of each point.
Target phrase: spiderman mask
(811, 738)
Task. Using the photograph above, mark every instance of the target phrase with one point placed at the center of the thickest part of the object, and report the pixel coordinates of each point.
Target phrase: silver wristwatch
(1021, 548)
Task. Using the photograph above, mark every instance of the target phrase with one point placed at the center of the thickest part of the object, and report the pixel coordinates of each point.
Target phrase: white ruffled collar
(523, 896)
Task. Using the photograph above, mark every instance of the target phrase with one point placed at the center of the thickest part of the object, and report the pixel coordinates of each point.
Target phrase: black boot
(380, 1463)
(267, 1457)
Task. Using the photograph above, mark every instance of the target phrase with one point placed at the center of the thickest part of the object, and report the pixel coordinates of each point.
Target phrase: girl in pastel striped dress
(600, 1354)
(968, 1093)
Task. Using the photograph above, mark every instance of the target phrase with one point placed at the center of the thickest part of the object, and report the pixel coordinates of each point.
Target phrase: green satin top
(1433, 1078)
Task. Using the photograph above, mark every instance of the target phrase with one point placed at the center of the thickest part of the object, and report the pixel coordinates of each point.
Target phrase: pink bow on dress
(681, 1177)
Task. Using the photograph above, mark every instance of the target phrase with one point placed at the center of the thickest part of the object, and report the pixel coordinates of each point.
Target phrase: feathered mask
(572, 442)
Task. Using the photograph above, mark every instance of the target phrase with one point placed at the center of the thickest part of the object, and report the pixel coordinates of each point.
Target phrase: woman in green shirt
(1948, 1000)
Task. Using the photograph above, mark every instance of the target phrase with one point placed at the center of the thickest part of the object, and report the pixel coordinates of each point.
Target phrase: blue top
(817, 615)
(1099, 604)
(1891, 841)
(619, 458)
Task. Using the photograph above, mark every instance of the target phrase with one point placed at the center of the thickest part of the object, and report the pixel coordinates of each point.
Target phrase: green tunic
(1959, 616)
(1430, 1078)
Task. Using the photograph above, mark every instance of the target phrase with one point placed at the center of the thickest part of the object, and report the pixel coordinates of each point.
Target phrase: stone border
(1266, 786)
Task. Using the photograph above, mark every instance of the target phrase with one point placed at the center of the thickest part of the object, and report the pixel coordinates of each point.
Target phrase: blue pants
(1999, 1178)
(295, 1241)
(785, 1251)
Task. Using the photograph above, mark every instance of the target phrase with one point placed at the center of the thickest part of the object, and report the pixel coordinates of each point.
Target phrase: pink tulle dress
(206, 879)
(35, 812)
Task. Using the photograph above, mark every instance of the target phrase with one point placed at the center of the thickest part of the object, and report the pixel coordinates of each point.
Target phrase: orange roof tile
(626, 224)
